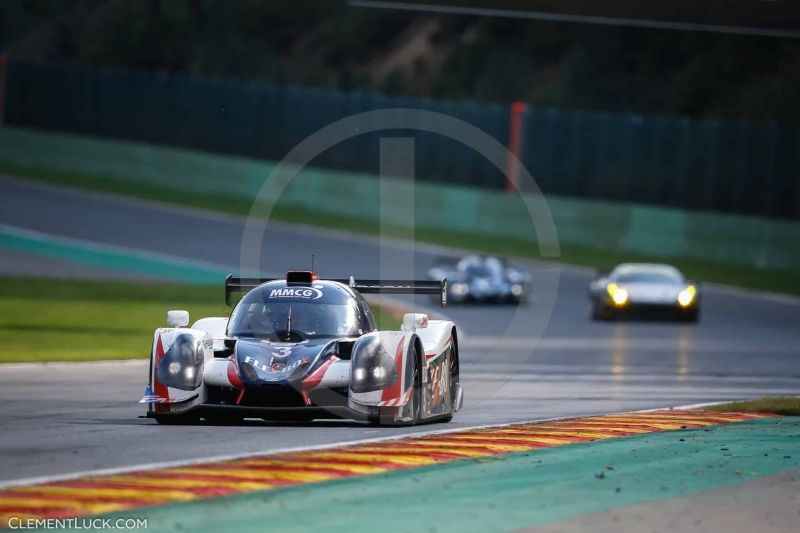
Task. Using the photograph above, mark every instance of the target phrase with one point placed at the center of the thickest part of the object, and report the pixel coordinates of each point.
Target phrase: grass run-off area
(782, 405)
(65, 320)
(696, 269)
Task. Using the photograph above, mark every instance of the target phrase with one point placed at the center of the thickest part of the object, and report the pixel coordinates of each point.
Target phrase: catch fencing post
(3, 60)
(514, 141)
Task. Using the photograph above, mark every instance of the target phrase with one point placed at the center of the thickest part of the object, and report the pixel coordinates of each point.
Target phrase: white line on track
(718, 345)
(212, 459)
(56, 364)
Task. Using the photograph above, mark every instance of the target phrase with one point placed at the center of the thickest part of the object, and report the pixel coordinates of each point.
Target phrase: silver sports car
(652, 290)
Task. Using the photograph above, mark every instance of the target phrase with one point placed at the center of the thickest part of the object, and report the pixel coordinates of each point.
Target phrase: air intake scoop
(301, 276)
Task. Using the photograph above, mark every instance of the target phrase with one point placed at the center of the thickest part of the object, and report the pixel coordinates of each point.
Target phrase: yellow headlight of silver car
(619, 295)
(686, 296)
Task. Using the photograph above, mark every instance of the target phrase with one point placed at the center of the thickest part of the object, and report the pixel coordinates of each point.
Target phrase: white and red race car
(303, 348)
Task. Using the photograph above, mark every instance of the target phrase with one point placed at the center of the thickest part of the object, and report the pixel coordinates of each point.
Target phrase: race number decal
(283, 352)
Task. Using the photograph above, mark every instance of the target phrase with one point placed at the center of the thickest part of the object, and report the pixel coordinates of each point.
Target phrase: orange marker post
(514, 140)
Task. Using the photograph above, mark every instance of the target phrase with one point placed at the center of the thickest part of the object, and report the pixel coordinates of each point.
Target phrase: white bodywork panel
(337, 375)
(436, 337)
(396, 344)
(214, 325)
(217, 373)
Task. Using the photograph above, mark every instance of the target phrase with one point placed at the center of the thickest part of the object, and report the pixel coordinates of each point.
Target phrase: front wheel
(454, 379)
(411, 411)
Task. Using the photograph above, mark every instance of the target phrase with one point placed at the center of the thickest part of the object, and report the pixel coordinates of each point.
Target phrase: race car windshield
(648, 277)
(306, 320)
(494, 266)
(478, 271)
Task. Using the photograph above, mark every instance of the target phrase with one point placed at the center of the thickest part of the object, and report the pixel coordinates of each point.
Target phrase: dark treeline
(331, 45)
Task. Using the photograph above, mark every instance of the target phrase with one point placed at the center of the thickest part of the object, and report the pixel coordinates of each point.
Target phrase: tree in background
(332, 45)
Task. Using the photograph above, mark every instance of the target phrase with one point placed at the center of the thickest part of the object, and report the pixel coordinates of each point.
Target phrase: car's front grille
(269, 395)
(329, 397)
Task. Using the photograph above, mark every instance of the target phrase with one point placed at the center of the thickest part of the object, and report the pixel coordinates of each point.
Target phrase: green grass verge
(783, 405)
(697, 269)
(65, 320)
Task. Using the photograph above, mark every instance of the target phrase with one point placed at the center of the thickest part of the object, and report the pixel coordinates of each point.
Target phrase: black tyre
(454, 378)
(412, 409)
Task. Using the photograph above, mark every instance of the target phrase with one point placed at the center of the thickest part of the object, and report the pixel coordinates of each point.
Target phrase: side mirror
(414, 321)
(176, 319)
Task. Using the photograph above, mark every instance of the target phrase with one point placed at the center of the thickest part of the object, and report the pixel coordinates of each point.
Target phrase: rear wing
(367, 286)
(398, 286)
(233, 285)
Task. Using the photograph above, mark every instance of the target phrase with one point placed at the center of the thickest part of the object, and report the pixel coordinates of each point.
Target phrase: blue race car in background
(482, 279)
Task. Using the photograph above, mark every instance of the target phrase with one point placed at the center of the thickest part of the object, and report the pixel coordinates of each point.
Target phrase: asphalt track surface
(58, 419)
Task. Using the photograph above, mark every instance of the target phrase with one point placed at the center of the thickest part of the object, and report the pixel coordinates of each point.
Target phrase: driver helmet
(277, 316)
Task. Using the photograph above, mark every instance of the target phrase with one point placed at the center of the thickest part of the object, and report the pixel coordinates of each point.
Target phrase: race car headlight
(459, 289)
(372, 368)
(182, 366)
(686, 296)
(516, 290)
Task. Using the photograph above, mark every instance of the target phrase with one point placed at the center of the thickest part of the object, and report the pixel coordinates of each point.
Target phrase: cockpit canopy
(293, 312)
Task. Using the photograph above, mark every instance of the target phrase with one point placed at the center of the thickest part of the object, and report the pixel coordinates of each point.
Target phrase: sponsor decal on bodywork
(435, 385)
(402, 400)
(151, 397)
(305, 293)
(282, 352)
